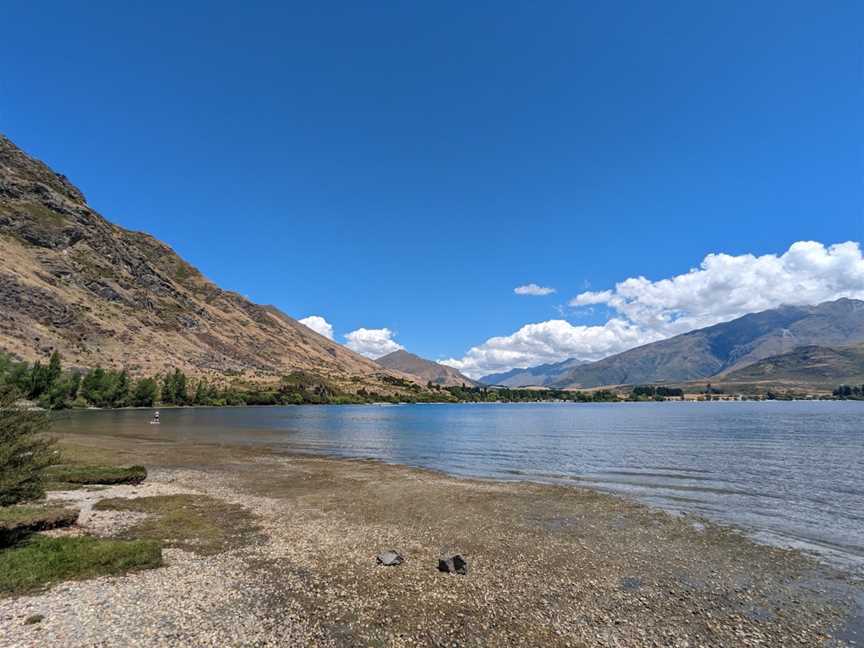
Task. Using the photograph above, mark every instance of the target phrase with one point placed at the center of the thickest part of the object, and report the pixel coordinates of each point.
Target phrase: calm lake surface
(790, 473)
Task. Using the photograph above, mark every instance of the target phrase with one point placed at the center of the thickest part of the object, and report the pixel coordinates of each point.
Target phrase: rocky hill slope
(424, 370)
(808, 365)
(726, 347)
(103, 295)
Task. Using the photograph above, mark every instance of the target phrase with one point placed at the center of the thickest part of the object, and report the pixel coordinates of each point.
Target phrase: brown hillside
(424, 370)
(72, 281)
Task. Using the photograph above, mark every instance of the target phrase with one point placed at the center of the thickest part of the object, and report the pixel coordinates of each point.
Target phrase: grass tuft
(41, 561)
(17, 522)
(60, 476)
(197, 523)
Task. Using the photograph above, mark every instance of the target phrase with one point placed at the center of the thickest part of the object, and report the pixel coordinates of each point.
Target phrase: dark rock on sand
(389, 558)
(455, 564)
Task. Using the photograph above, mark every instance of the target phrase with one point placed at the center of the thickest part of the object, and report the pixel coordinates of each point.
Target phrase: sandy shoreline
(549, 565)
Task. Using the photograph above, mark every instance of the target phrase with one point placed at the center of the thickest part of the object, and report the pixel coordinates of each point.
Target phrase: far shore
(150, 408)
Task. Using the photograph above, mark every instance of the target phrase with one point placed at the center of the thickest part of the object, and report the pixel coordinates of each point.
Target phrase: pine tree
(120, 389)
(169, 390)
(93, 387)
(25, 453)
(39, 382)
(181, 396)
(202, 393)
(174, 390)
(144, 393)
(54, 368)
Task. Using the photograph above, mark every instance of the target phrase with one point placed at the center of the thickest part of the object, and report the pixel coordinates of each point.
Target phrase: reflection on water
(791, 473)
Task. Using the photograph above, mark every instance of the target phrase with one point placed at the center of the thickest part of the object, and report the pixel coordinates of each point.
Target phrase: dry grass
(106, 475)
(200, 524)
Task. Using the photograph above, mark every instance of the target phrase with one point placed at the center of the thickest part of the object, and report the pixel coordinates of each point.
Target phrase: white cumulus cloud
(550, 341)
(318, 324)
(372, 343)
(722, 288)
(533, 290)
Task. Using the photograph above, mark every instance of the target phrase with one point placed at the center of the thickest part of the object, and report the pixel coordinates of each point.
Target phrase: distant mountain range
(424, 370)
(807, 365)
(102, 295)
(72, 281)
(532, 376)
(805, 345)
(725, 347)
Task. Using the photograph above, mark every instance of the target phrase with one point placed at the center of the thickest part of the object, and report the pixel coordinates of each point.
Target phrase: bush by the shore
(25, 452)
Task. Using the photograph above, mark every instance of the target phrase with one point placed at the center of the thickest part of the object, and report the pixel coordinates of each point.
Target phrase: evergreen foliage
(648, 392)
(174, 391)
(103, 388)
(145, 393)
(25, 452)
(850, 392)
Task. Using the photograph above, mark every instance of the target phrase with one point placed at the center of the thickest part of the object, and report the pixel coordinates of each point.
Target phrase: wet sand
(548, 566)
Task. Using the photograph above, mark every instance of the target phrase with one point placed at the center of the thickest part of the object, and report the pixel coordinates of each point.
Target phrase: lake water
(790, 473)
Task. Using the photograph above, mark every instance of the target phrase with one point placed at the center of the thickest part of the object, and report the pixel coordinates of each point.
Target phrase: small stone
(455, 564)
(389, 558)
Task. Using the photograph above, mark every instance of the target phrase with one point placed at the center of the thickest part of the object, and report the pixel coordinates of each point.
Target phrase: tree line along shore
(49, 386)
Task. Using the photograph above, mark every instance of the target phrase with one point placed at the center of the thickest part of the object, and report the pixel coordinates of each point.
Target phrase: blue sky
(407, 167)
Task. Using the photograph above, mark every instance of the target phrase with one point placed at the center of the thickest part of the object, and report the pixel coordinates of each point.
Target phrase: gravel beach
(549, 566)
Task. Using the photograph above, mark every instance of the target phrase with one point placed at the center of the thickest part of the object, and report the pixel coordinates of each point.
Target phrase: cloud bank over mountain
(372, 343)
(318, 324)
(721, 288)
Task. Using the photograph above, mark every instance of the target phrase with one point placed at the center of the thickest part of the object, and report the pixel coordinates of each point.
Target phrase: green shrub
(145, 392)
(25, 452)
(106, 388)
